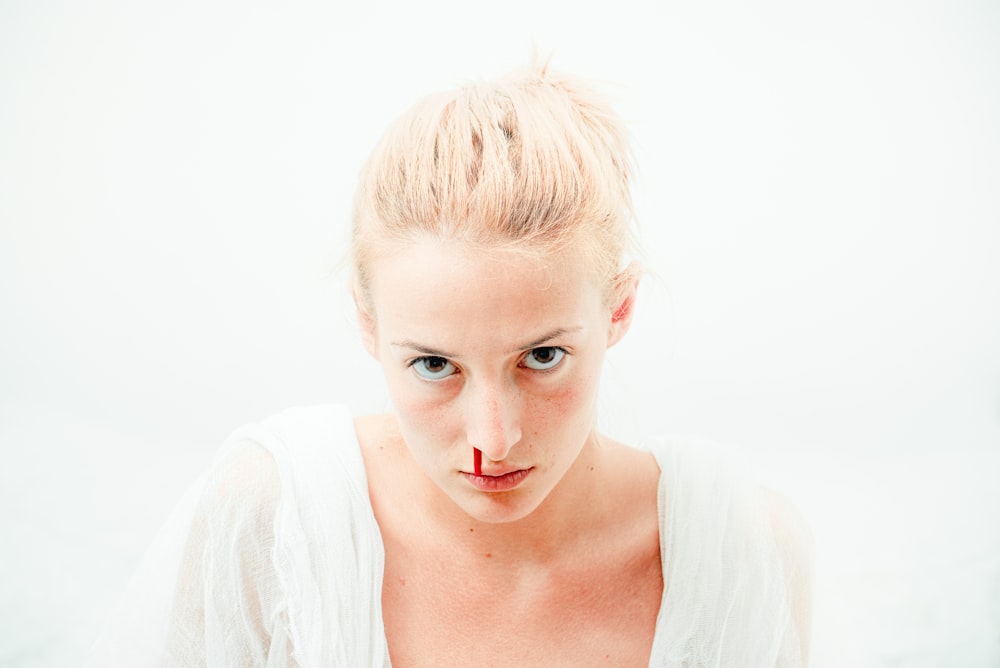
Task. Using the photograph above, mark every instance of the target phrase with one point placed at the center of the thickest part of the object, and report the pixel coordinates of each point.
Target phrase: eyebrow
(434, 352)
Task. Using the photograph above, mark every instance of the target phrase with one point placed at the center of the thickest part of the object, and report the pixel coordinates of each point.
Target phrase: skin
(502, 351)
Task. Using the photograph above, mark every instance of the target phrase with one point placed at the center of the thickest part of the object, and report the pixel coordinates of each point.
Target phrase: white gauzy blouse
(275, 559)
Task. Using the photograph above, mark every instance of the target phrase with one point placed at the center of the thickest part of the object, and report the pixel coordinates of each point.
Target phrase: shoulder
(721, 525)
(296, 435)
(286, 457)
(377, 432)
(703, 473)
(699, 475)
(796, 549)
(298, 428)
(791, 530)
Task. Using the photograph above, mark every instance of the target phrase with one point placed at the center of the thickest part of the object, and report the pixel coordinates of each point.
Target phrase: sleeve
(207, 593)
(796, 554)
(274, 559)
(736, 563)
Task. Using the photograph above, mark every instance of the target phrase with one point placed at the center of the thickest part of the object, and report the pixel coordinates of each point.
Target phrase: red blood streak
(477, 461)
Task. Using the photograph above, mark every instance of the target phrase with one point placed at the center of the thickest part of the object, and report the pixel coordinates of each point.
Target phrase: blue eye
(543, 359)
(433, 368)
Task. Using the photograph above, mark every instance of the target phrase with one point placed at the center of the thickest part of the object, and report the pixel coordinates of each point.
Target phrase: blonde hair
(535, 162)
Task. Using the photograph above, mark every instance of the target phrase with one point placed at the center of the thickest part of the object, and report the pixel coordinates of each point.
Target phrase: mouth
(502, 482)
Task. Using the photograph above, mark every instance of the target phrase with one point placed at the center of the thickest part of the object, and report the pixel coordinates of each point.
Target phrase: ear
(366, 321)
(623, 302)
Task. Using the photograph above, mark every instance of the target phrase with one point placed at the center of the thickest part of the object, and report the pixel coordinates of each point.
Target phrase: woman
(484, 521)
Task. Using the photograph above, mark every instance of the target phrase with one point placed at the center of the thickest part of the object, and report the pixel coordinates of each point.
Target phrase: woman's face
(497, 351)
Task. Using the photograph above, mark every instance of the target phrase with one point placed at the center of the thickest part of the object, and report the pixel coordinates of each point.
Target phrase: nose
(493, 423)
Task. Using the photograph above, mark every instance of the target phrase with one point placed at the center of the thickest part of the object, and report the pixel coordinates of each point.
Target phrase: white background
(819, 210)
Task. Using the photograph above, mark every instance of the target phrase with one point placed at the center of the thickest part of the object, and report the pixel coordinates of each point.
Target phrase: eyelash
(412, 364)
(424, 358)
(560, 355)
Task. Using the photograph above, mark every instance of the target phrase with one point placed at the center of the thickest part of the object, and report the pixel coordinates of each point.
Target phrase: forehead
(444, 289)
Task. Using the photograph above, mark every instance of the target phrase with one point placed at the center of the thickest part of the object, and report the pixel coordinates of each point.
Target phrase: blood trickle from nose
(477, 461)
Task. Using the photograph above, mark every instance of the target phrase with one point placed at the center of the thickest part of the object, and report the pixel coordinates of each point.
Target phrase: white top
(275, 559)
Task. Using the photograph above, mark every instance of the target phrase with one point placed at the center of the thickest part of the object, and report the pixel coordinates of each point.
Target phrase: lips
(499, 482)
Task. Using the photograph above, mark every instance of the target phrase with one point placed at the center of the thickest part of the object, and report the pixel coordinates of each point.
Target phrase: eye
(433, 368)
(543, 359)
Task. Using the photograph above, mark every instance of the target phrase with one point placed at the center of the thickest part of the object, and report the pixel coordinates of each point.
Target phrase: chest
(603, 615)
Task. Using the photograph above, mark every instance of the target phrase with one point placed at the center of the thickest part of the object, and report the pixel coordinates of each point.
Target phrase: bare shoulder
(380, 441)
(630, 496)
(633, 464)
(376, 432)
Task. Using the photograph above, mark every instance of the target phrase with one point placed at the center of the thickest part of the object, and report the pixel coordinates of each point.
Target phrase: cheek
(425, 414)
(567, 407)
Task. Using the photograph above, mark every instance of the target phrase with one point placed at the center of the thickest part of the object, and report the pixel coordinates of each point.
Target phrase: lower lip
(500, 483)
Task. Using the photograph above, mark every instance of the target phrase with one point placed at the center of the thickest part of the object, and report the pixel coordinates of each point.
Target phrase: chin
(498, 508)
